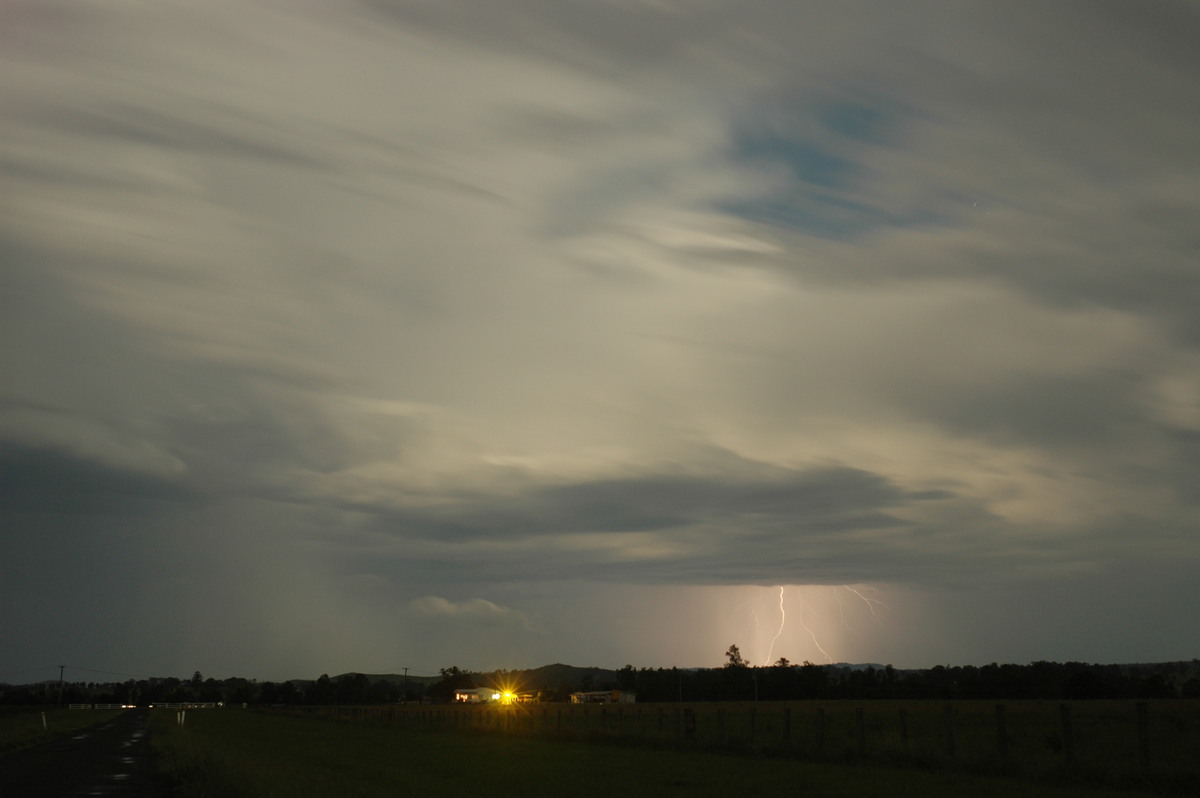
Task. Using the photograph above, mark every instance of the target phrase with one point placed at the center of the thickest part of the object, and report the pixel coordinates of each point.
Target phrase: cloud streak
(402, 315)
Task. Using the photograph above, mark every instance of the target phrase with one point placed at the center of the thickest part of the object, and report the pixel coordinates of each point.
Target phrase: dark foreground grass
(21, 727)
(232, 752)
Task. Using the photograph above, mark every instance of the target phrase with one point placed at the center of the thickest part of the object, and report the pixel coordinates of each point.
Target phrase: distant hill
(555, 677)
(547, 677)
(395, 678)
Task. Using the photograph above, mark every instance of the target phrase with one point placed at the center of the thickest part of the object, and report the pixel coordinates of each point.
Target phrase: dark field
(21, 727)
(829, 749)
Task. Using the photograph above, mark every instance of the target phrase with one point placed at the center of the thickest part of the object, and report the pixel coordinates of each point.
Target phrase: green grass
(233, 752)
(1105, 739)
(21, 727)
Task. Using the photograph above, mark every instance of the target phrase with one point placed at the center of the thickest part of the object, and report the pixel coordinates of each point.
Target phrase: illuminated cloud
(470, 611)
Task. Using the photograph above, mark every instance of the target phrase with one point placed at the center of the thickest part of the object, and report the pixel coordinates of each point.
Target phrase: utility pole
(61, 668)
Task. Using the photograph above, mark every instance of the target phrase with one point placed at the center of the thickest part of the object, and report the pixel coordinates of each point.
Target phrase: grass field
(235, 752)
(1103, 739)
(21, 727)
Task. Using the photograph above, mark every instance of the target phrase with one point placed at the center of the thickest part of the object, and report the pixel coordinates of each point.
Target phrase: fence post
(860, 723)
(1001, 734)
(1068, 734)
(949, 723)
(904, 729)
(720, 725)
(787, 724)
(753, 723)
(820, 730)
(1143, 734)
(689, 723)
(660, 719)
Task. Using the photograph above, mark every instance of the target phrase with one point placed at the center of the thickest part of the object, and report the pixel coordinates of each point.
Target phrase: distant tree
(453, 678)
(382, 691)
(172, 689)
(737, 681)
(210, 691)
(780, 681)
(813, 681)
(289, 693)
(322, 691)
(353, 689)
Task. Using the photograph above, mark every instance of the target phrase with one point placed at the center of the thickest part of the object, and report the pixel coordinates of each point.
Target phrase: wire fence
(1112, 739)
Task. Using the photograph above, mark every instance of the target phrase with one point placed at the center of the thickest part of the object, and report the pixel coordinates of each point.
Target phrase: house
(492, 695)
(476, 695)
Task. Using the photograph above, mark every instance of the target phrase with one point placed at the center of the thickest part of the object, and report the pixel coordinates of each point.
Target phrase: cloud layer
(449, 334)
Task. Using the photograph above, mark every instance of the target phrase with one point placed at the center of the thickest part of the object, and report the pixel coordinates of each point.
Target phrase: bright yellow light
(507, 693)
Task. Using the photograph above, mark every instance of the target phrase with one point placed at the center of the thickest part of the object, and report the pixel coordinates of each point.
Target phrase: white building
(603, 697)
(476, 695)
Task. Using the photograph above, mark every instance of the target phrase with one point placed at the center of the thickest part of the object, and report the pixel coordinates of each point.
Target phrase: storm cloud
(382, 334)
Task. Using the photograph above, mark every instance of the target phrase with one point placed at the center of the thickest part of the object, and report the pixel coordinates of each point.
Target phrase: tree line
(737, 680)
(353, 688)
(784, 681)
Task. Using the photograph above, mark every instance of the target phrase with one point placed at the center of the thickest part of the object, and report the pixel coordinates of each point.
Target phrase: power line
(28, 670)
(113, 673)
(63, 668)
(109, 673)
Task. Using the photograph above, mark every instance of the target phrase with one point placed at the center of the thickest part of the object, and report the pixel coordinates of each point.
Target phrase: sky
(364, 335)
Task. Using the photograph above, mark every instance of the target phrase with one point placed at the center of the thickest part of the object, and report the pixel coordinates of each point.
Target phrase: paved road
(112, 759)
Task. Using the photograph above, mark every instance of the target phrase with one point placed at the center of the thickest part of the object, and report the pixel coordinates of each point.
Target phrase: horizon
(493, 672)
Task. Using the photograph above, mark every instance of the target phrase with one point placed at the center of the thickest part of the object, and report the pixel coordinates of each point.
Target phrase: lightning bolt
(754, 615)
(870, 603)
(747, 605)
(842, 615)
(779, 631)
(750, 606)
(804, 626)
